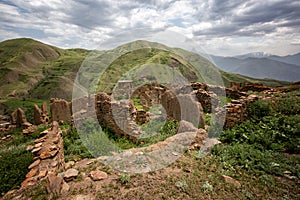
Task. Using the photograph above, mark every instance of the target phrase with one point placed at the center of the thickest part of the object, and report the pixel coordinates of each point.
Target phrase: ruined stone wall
(178, 104)
(18, 118)
(61, 110)
(117, 115)
(208, 100)
(49, 155)
(48, 161)
(40, 116)
(237, 110)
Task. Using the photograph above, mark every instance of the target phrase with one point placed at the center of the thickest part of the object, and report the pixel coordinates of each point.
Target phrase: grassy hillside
(31, 70)
(229, 77)
(148, 57)
(141, 60)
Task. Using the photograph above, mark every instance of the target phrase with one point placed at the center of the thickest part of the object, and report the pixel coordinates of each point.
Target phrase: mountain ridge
(33, 70)
(286, 68)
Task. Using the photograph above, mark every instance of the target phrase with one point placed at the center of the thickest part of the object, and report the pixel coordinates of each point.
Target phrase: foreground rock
(230, 180)
(70, 174)
(97, 175)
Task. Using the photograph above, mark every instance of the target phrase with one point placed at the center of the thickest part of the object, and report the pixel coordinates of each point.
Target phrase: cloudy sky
(219, 27)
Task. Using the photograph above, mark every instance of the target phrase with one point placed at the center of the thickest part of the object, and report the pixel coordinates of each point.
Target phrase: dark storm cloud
(249, 18)
(90, 14)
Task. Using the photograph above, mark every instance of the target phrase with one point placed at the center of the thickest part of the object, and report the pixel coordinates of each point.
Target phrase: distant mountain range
(261, 65)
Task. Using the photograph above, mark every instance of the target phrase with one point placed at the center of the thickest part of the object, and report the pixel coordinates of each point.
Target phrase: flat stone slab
(70, 174)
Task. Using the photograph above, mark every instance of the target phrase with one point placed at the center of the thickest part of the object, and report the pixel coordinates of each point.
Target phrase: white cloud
(220, 27)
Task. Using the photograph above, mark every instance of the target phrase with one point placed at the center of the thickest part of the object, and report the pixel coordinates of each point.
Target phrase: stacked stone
(5, 125)
(142, 117)
(237, 110)
(117, 116)
(18, 118)
(197, 86)
(234, 94)
(61, 110)
(49, 156)
(40, 116)
(254, 87)
(208, 100)
(149, 95)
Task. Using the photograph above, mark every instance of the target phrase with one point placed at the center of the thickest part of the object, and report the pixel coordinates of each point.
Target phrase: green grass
(13, 168)
(140, 58)
(230, 77)
(74, 149)
(26, 105)
(32, 69)
(269, 143)
(163, 130)
(15, 159)
(36, 80)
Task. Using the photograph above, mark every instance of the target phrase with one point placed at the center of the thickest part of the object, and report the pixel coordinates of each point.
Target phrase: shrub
(167, 130)
(73, 146)
(13, 167)
(287, 105)
(249, 158)
(280, 133)
(260, 108)
(124, 178)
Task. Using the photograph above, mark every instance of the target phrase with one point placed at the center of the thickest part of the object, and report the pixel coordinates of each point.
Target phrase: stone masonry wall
(237, 110)
(49, 156)
(61, 110)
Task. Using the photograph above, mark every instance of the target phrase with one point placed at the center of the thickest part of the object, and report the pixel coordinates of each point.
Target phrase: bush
(247, 157)
(13, 167)
(287, 105)
(167, 130)
(73, 146)
(260, 108)
(281, 133)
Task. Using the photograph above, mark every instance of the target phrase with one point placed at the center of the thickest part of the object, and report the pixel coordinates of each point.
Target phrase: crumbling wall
(40, 116)
(237, 110)
(49, 156)
(178, 104)
(61, 110)
(117, 115)
(208, 100)
(18, 118)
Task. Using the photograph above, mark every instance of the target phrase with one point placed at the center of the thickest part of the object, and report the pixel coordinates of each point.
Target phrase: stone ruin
(117, 115)
(18, 118)
(40, 116)
(49, 156)
(61, 110)
(48, 149)
(128, 117)
(178, 105)
(248, 86)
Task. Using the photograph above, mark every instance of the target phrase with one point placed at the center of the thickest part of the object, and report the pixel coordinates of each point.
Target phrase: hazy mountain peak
(254, 55)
